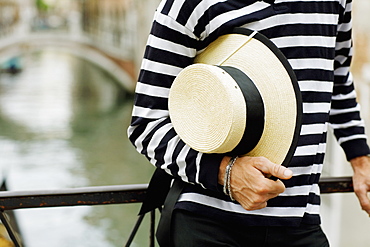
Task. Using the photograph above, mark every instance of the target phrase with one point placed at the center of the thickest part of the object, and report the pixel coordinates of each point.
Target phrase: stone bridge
(122, 70)
(110, 33)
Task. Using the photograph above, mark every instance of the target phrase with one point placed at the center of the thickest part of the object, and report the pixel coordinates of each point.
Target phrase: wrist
(227, 178)
(222, 169)
(360, 162)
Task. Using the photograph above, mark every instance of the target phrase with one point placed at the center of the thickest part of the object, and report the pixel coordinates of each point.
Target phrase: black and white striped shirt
(314, 35)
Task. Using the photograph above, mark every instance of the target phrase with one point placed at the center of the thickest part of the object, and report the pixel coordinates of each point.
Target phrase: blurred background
(67, 72)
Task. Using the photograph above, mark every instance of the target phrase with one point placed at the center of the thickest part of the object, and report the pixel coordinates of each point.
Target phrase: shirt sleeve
(171, 47)
(345, 118)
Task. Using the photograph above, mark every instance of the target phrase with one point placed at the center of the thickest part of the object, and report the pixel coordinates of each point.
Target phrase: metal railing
(104, 195)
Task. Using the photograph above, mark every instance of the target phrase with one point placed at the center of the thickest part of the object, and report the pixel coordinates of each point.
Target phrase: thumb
(281, 172)
(275, 170)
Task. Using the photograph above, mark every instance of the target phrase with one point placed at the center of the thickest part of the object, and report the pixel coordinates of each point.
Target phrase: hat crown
(264, 64)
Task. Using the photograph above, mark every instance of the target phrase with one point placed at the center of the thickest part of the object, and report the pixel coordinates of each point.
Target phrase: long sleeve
(345, 116)
(171, 46)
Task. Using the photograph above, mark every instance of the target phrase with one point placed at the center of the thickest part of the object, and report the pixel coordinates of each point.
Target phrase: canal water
(63, 125)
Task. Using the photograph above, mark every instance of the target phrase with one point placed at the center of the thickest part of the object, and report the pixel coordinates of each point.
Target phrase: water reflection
(63, 124)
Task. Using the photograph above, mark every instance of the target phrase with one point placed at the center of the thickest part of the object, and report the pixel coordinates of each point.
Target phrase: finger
(273, 169)
(274, 188)
(254, 202)
(364, 199)
(256, 207)
(267, 189)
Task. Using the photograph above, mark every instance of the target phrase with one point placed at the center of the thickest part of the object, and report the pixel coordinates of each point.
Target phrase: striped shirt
(314, 35)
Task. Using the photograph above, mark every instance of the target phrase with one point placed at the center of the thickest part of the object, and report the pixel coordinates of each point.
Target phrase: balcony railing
(103, 195)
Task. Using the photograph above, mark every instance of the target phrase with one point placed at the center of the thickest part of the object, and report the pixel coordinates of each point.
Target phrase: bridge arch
(122, 70)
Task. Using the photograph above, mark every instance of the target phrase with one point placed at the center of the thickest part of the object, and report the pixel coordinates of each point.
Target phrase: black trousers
(188, 230)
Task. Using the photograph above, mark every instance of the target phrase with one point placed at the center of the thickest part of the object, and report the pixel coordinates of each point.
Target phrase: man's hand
(250, 183)
(361, 180)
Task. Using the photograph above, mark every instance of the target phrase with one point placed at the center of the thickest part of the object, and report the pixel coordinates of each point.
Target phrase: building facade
(119, 26)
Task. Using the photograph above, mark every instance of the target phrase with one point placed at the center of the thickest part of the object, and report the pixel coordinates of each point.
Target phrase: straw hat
(240, 97)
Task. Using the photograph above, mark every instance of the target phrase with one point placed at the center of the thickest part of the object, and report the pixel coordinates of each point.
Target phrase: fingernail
(288, 173)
